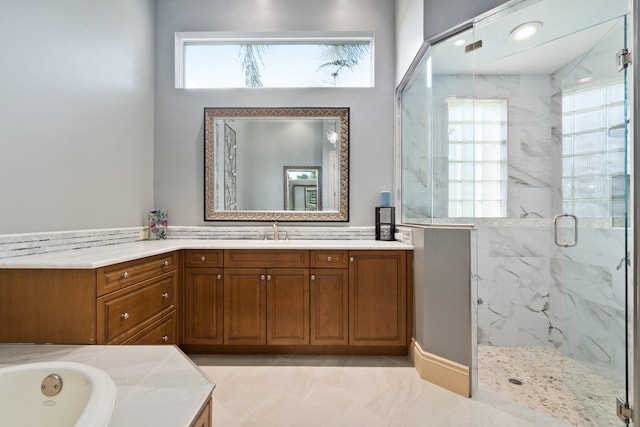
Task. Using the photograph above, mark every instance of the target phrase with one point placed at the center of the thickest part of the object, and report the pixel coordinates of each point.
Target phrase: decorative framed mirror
(249, 150)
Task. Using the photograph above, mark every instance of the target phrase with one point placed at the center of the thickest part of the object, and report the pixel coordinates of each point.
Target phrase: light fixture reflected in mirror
(332, 135)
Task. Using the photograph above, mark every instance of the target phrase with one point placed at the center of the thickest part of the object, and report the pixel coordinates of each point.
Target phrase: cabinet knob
(313, 277)
(165, 338)
(351, 259)
(125, 275)
(268, 277)
(124, 316)
(219, 276)
(262, 277)
(165, 263)
(203, 258)
(328, 259)
(165, 295)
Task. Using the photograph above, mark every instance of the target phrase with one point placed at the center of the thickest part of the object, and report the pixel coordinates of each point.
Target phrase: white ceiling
(570, 29)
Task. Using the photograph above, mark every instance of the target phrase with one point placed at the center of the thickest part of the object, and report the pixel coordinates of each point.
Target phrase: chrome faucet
(275, 230)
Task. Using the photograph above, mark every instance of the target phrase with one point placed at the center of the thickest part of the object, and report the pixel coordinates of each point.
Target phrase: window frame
(605, 201)
(478, 201)
(182, 39)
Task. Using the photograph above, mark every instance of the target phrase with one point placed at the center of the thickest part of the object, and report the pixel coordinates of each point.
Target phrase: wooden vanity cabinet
(329, 298)
(203, 286)
(378, 298)
(159, 332)
(133, 296)
(266, 297)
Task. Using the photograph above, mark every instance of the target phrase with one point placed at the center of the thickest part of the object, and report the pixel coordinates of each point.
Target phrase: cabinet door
(329, 307)
(287, 306)
(377, 298)
(203, 306)
(245, 306)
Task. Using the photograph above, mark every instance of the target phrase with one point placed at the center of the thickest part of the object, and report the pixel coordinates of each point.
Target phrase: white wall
(179, 149)
(76, 114)
(409, 33)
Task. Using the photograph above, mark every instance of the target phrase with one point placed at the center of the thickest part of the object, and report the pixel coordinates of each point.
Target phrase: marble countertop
(89, 258)
(156, 385)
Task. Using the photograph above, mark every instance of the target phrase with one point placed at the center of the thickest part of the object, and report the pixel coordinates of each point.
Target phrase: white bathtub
(86, 398)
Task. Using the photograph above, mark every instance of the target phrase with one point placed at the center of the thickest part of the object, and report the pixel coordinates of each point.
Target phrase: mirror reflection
(302, 188)
(247, 150)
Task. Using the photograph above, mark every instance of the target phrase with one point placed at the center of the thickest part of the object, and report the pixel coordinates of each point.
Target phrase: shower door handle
(575, 230)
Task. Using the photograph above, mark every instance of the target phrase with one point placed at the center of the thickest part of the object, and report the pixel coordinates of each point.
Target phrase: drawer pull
(165, 295)
(165, 338)
(219, 276)
(313, 277)
(125, 275)
(351, 259)
(124, 316)
(203, 258)
(165, 263)
(328, 259)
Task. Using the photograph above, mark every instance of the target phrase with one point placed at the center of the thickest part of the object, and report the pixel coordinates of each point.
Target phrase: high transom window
(223, 60)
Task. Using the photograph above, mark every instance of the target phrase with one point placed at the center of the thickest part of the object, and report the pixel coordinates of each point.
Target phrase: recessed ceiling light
(526, 30)
(459, 42)
(585, 79)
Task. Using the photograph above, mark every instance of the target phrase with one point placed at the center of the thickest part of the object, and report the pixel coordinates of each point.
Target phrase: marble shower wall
(514, 253)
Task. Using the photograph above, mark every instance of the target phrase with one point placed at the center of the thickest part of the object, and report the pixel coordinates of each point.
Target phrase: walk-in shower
(527, 138)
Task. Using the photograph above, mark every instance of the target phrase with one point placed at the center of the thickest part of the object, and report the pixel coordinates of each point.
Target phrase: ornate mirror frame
(212, 213)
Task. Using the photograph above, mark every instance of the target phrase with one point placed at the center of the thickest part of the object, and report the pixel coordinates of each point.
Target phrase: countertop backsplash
(13, 245)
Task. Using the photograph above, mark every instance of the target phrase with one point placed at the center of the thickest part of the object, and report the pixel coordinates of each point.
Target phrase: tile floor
(275, 390)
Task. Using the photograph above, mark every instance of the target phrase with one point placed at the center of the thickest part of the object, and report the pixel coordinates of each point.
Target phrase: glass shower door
(592, 231)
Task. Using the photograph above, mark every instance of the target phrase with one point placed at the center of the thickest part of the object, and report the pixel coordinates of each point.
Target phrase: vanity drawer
(127, 311)
(329, 259)
(266, 258)
(121, 275)
(161, 332)
(203, 258)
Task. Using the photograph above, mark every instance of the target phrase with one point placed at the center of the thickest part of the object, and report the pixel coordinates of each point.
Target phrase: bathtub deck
(156, 385)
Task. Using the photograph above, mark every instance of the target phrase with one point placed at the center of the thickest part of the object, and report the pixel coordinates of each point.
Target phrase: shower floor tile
(540, 369)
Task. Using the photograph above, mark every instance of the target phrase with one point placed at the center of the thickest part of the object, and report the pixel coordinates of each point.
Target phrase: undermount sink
(55, 394)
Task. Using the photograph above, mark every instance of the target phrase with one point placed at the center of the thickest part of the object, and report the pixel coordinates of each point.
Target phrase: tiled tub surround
(156, 385)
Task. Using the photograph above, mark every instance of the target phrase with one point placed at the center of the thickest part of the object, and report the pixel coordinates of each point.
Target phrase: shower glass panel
(437, 134)
(592, 95)
(553, 276)
(528, 140)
